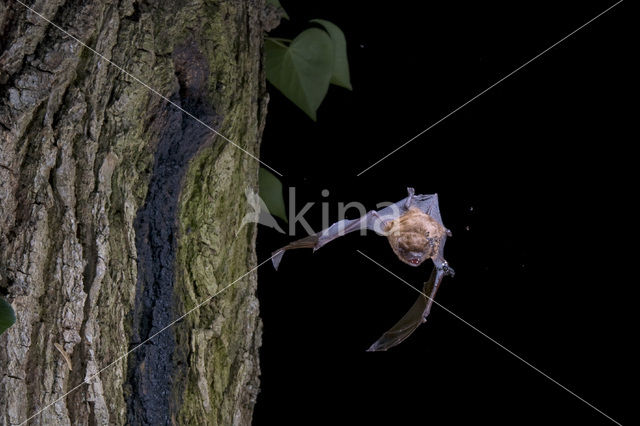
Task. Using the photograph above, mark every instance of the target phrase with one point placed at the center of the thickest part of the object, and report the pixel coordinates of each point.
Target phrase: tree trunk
(119, 211)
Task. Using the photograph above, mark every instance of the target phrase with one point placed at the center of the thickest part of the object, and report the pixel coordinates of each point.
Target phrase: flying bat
(415, 232)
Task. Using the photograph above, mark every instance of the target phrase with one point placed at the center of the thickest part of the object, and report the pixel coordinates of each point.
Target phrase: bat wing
(413, 318)
(428, 203)
(338, 229)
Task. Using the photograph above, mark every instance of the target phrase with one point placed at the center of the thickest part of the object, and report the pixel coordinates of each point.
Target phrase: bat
(415, 232)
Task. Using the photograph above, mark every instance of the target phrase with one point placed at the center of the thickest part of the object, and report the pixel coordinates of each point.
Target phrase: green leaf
(7, 316)
(302, 70)
(340, 75)
(271, 193)
(277, 4)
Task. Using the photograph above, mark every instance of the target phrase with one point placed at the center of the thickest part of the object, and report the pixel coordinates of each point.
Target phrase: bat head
(412, 248)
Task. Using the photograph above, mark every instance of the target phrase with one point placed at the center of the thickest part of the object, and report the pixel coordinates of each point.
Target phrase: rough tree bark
(119, 212)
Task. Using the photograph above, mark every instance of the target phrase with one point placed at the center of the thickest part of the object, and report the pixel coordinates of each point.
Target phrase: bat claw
(448, 270)
(443, 267)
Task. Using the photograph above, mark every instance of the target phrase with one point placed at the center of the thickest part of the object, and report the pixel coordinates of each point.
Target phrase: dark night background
(531, 177)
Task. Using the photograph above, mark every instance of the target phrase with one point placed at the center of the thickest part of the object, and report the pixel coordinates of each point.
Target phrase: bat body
(415, 232)
(415, 236)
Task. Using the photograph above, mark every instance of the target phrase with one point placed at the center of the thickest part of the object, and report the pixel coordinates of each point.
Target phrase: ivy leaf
(277, 4)
(7, 316)
(302, 70)
(340, 76)
(271, 193)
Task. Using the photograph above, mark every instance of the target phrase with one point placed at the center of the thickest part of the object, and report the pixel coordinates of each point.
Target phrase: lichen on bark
(80, 143)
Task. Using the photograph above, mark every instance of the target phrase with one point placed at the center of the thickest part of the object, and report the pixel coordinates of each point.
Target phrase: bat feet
(446, 269)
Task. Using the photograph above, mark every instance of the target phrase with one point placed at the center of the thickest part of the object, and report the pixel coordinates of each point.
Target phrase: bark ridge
(118, 212)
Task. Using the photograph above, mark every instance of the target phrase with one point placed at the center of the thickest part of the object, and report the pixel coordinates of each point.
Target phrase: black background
(532, 178)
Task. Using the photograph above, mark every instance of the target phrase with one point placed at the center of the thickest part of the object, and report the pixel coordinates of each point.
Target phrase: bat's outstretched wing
(427, 203)
(369, 221)
(413, 318)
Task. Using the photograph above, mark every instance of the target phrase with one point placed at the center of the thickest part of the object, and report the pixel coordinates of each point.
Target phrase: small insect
(415, 232)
